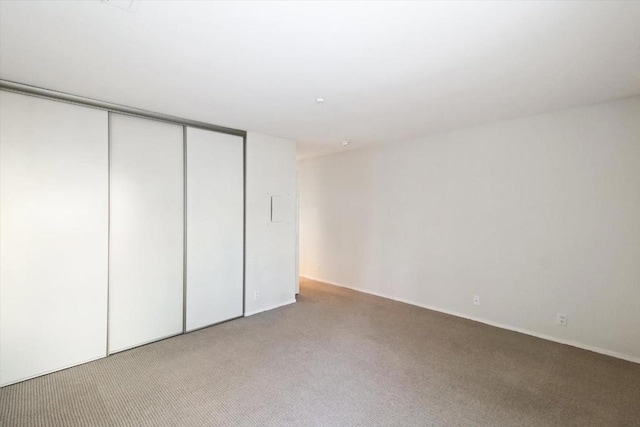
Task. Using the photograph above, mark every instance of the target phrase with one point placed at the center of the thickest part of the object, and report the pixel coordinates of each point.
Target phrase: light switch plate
(278, 209)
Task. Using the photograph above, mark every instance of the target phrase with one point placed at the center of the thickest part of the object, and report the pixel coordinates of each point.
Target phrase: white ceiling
(389, 71)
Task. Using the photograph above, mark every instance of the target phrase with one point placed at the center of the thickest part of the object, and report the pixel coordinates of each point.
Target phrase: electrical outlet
(562, 319)
(256, 295)
(476, 300)
(317, 267)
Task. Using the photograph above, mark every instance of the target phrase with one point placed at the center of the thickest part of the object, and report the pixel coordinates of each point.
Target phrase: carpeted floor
(337, 358)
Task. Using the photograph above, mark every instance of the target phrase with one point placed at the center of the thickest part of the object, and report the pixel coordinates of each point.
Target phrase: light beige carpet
(337, 358)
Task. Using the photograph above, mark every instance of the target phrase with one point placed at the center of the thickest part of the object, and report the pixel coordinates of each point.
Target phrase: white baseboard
(489, 322)
(271, 307)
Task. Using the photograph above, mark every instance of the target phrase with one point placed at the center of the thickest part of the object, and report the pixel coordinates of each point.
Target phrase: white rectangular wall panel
(146, 248)
(270, 246)
(53, 235)
(215, 209)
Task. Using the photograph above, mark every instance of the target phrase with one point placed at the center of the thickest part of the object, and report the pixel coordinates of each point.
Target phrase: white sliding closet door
(215, 200)
(53, 235)
(146, 248)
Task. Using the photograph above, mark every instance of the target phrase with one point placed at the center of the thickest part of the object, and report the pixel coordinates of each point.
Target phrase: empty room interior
(319, 213)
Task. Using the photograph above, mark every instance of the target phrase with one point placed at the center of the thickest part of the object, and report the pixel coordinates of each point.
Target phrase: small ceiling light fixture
(319, 100)
(346, 142)
(128, 5)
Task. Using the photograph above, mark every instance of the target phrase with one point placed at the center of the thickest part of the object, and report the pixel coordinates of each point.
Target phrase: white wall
(270, 246)
(537, 216)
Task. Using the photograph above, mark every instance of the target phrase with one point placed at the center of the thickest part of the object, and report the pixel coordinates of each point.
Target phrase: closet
(53, 235)
(117, 228)
(215, 250)
(146, 231)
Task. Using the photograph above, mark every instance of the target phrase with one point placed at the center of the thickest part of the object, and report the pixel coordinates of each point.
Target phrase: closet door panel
(146, 248)
(215, 209)
(53, 235)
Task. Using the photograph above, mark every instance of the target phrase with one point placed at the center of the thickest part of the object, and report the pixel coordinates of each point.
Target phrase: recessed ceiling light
(319, 100)
(346, 142)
